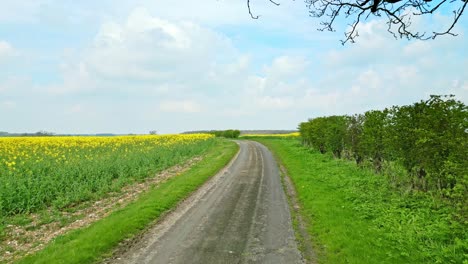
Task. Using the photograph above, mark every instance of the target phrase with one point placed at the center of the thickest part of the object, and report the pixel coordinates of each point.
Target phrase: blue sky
(171, 66)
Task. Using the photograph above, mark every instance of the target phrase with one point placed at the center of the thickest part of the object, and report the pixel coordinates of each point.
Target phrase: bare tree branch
(430, 11)
(398, 13)
(250, 10)
(274, 2)
(458, 14)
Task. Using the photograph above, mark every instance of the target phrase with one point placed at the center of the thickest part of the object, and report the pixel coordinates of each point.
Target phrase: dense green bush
(429, 139)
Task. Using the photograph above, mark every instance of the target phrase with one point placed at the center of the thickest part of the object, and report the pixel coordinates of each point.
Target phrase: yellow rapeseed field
(36, 172)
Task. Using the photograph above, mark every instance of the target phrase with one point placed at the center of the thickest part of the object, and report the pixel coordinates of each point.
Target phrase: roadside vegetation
(354, 215)
(421, 147)
(97, 241)
(404, 202)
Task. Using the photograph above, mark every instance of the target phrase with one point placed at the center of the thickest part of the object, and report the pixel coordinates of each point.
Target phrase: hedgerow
(429, 139)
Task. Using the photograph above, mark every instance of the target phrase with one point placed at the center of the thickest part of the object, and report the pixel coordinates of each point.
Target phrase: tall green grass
(356, 216)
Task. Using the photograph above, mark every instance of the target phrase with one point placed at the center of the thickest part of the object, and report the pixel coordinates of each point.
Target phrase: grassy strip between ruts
(355, 216)
(91, 244)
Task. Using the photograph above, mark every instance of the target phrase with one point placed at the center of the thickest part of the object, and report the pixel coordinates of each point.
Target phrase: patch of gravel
(20, 240)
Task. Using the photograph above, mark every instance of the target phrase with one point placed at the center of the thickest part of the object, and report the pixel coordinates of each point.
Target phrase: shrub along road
(240, 216)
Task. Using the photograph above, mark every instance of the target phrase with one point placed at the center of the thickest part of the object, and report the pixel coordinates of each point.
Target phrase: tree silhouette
(399, 15)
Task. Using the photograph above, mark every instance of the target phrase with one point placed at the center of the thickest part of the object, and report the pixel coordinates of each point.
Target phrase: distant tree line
(230, 133)
(266, 131)
(37, 134)
(429, 139)
(243, 132)
(52, 134)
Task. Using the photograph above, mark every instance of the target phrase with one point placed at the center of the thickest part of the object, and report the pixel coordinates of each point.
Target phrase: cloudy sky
(127, 66)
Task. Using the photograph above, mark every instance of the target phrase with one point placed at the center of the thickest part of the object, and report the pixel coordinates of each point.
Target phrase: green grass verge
(355, 216)
(95, 242)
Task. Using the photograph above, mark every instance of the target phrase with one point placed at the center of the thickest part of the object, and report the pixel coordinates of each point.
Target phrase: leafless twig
(397, 12)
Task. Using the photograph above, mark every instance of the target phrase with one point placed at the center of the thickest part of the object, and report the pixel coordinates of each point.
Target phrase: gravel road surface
(239, 216)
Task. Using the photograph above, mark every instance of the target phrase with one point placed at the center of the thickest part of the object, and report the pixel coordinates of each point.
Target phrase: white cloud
(152, 50)
(459, 88)
(180, 106)
(14, 85)
(275, 102)
(286, 66)
(7, 105)
(22, 11)
(5, 48)
(147, 61)
(324, 102)
(76, 109)
(370, 78)
(373, 35)
(417, 48)
(6, 51)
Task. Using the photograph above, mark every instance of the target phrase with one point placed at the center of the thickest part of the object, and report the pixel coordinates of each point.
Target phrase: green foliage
(357, 216)
(335, 134)
(353, 138)
(428, 138)
(230, 133)
(320, 133)
(373, 137)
